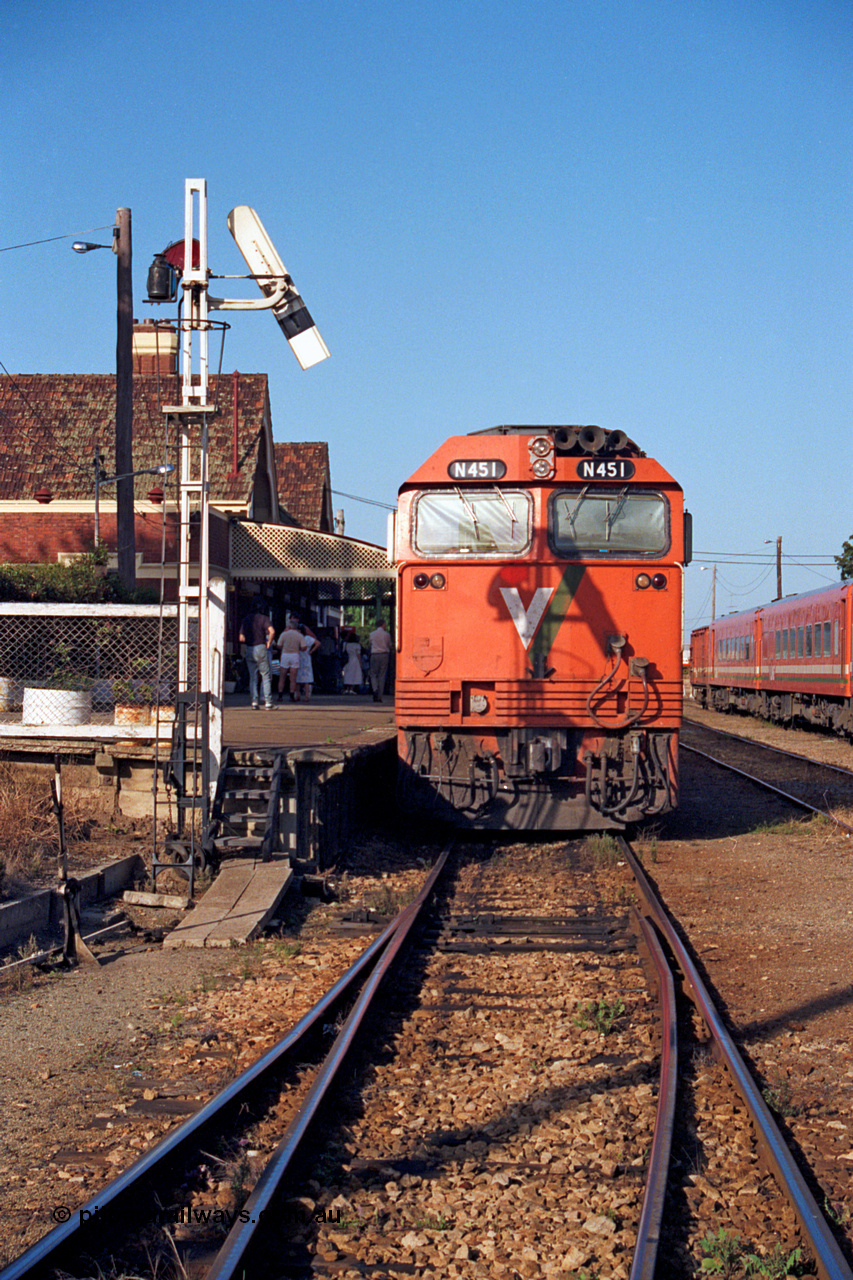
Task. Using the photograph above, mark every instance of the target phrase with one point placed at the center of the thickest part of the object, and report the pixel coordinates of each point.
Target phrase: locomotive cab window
(472, 522)
(587, 521)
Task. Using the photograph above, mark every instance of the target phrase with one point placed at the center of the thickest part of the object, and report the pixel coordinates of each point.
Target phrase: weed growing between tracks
(603, 849)
(726, 1255)
(600, 1015)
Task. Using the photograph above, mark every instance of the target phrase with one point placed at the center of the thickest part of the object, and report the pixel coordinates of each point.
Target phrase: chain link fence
(89, 664)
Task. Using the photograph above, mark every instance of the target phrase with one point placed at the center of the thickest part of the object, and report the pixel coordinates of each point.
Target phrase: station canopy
(275, 552)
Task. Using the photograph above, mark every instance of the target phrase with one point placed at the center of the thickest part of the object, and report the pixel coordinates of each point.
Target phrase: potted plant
(136, 696)
(229, 681)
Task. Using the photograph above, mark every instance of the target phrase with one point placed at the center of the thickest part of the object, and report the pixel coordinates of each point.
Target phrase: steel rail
(830, 1261)
(75, 1234)
(767, 746)
(768, 786)
(651, 1214)
(233, 1252)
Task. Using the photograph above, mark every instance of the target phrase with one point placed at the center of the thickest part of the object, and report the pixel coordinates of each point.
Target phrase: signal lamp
(642, 581)
(438, 581)
(420, 581)
(659, 581)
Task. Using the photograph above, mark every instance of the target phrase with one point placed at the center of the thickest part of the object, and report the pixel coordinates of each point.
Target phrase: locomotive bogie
(539, 631)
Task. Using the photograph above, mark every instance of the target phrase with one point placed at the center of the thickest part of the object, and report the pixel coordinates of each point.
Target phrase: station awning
(274, 551)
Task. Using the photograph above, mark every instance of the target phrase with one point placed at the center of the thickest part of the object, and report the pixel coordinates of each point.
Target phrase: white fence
(104, 671)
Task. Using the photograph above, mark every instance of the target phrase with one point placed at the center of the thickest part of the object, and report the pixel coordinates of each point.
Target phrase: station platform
(334, 760)
(298, 781)
(328, 719)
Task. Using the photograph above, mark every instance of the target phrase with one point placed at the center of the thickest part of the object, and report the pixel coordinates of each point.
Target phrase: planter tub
(128, 714)
(10, 694)
(57, 706)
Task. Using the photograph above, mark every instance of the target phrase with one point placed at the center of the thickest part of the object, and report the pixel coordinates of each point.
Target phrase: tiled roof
(51, 423)
(304, 486)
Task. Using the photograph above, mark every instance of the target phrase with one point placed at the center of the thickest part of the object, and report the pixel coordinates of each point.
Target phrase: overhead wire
(69, 235)
(370, 502)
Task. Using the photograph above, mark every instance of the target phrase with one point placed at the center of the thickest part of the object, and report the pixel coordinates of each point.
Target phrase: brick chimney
(154, 344)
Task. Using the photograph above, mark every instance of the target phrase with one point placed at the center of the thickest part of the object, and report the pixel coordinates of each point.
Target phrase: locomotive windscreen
(586, 521)
(472, 521)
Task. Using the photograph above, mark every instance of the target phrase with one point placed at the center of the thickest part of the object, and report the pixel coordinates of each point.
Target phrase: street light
(122, 247)
(704, 569)
(101, 477)
(768, 542)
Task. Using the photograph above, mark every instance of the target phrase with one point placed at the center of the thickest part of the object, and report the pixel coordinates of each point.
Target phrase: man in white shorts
(289, 642)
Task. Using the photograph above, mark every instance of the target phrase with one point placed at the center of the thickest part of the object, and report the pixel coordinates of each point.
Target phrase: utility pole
(778, 568)
(714, 594)
(125, 524)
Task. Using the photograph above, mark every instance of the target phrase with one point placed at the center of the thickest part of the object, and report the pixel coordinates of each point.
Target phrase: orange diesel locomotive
(539, 677)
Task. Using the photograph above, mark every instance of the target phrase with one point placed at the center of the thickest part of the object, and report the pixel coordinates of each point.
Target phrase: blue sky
(631, 213)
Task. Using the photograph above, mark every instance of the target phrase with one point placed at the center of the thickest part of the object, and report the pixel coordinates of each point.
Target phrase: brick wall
(34, 537)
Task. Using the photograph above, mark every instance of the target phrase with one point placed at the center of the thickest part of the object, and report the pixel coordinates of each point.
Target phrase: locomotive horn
(565, 439)
(591, 439)
(616, 440)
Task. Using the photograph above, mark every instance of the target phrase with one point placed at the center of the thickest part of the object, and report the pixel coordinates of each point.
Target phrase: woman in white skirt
(352, 670)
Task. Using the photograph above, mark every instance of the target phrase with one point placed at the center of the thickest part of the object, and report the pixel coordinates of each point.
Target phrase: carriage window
(778, 644)
(589, 521)
(792, 643)
(808, 642)
(472, 522)
(818, 639)
(799, 642)
(785, 642)
(827, 639)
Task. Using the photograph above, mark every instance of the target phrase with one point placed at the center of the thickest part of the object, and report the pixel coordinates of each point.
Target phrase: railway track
(813, 785)
(514, 1118)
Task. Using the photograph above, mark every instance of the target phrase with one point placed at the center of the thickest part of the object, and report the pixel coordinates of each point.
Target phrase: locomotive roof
(625, 446)
(539, 454)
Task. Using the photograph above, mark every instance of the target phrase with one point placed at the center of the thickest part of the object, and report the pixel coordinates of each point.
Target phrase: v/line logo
(543, 617)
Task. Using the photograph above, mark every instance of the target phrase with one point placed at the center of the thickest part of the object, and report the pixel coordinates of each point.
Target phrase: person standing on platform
(352, 665)
(305, 670)
(380, 658)
(257, 634)
(290, 644)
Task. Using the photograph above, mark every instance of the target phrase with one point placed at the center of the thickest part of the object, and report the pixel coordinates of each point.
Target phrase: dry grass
(29, 833)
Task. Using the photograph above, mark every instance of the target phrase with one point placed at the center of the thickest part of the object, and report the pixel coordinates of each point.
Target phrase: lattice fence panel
(76, 668)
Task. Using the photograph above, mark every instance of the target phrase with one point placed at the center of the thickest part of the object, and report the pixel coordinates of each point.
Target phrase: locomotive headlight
(420, 581)
(642, 581)
(659, 581)
(437, 581)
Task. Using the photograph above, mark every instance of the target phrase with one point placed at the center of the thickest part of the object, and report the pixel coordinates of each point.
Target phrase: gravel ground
(767, 901)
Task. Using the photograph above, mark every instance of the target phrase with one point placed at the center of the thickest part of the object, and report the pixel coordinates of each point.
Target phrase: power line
(73, 235)
(339, 493)
(706, 555)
